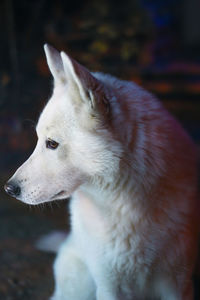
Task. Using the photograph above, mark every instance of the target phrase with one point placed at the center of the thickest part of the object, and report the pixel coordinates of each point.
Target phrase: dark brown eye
(50, 144)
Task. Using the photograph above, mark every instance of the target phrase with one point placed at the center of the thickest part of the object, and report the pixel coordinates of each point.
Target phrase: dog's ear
(90, 88)
(55, 64)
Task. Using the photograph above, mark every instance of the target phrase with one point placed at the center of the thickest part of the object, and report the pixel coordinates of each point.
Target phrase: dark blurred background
(155, 43)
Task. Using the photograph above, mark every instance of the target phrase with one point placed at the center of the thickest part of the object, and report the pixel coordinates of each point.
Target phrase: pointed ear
(55, 63)
(90, 88)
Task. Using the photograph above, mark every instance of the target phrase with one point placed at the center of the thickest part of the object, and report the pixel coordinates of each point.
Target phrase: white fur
(51, 242)
(131, 171)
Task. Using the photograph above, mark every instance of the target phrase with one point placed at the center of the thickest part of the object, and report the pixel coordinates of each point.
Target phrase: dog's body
(131, 171)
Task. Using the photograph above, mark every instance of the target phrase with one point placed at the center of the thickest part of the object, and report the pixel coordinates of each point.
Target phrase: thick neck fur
(149, 164)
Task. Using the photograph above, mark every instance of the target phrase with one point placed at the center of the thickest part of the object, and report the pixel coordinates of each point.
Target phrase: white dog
(131, 171)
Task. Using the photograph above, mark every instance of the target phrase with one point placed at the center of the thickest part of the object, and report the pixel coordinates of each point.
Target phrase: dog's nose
(12, 189)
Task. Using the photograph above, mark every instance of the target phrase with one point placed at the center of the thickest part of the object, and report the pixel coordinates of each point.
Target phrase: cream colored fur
(131, 171)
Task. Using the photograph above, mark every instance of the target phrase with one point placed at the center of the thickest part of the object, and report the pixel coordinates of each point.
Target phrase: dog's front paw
(51, 242)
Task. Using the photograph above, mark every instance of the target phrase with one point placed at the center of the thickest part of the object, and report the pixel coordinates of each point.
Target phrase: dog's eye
(51, 144)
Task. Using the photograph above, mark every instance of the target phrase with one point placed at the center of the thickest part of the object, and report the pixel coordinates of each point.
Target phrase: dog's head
(75, 143)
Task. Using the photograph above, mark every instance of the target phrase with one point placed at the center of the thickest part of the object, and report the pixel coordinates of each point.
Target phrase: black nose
(12, 189)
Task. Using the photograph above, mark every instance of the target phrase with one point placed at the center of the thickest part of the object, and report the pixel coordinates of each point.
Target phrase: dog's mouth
(61, 195)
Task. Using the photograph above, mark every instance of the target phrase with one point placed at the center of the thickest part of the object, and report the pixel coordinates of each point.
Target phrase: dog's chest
(87, 219)
(115, 242)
